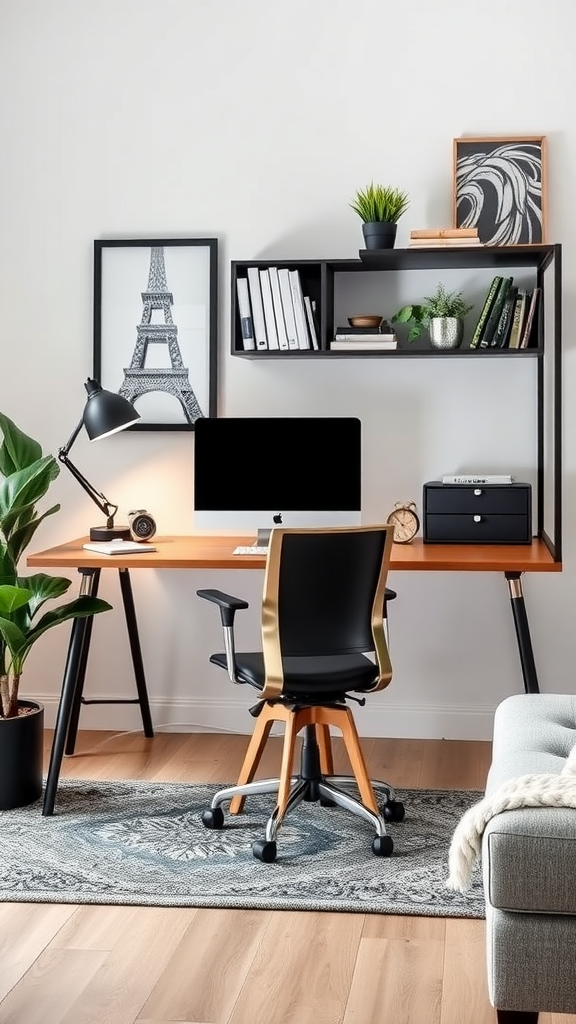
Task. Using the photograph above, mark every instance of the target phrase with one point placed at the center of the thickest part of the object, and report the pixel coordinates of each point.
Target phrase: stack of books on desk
(444, 238)
(364, 339)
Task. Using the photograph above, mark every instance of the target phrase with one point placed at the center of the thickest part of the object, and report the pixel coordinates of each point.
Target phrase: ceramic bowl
(365, 321)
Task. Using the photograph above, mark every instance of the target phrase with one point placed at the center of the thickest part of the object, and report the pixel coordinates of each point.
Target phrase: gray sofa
(529, 866)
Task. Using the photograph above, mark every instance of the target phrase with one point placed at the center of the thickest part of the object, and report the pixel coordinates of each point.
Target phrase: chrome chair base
(309, 785)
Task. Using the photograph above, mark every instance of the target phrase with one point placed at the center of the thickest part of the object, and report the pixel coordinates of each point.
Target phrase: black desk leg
(522, 632)
(74, 718)
(72, 685)
(137, 662)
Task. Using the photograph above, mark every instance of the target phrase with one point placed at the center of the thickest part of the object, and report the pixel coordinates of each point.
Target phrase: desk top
(199, 551)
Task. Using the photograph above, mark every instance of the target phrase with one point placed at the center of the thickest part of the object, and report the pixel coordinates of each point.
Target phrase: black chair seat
(320, 675)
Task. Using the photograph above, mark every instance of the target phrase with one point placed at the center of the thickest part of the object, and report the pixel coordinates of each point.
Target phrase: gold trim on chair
(270, 633)
(378, 632)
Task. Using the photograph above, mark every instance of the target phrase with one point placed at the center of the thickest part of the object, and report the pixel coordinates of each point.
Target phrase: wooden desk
(216, 552)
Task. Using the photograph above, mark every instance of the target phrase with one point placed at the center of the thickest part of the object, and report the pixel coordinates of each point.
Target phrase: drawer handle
(477, 519)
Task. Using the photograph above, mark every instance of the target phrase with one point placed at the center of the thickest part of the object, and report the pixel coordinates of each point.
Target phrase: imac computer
(254, 473)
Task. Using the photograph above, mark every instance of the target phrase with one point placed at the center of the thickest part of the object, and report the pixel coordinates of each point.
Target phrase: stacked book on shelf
(364, 339)
(444, 238)
(274, 312)
(508, 316)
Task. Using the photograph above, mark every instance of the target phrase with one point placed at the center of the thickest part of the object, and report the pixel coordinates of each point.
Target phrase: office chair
(323, 639)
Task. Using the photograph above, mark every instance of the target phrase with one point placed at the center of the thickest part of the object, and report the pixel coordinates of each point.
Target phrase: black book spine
(505, 322)
(495, 313)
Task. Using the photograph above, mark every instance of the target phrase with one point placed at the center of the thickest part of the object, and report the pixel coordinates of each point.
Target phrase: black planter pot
(379, 234)
(21, 751)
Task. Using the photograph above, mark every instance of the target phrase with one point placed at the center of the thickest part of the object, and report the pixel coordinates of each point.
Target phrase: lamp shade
(106, 412)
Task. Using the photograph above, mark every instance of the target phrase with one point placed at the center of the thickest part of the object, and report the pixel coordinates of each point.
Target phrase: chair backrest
(324, 594)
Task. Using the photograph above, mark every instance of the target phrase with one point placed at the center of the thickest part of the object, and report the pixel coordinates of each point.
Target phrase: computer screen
(254, 473)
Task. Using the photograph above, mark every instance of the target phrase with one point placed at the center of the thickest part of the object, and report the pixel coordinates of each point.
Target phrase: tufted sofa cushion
(529, 855)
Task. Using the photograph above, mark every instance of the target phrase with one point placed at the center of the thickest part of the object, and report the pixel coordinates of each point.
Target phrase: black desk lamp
(105, 413)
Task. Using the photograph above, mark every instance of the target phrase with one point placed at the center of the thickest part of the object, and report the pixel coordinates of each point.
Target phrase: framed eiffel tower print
(155, 327)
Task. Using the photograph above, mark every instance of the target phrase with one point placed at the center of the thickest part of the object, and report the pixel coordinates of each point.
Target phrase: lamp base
(110, 533)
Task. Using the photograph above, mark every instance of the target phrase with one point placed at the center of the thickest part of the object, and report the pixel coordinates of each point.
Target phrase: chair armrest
(227, 604)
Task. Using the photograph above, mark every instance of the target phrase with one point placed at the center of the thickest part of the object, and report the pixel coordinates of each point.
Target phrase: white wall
(255, 122)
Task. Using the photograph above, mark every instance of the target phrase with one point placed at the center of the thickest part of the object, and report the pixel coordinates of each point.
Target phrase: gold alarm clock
(405, 521)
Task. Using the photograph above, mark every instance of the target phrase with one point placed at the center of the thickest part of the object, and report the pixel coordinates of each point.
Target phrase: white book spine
(257, 308)
(299, 314)
(342, 336)
(288, 308)
(311, 324)
(490, 478)
(364, 346)
(245, 311)
(269, 317)
(278, 310)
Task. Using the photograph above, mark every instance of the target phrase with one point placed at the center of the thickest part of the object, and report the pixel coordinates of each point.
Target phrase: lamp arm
(63, 451)
(105, 506)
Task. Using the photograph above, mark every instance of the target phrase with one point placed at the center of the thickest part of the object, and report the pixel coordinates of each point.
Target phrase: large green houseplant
(25, 476)
(380, 208)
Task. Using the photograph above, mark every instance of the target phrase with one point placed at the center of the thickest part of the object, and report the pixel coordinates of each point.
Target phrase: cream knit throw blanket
(525, 791)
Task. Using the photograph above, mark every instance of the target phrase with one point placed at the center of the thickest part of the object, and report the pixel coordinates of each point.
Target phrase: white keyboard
(250, 549)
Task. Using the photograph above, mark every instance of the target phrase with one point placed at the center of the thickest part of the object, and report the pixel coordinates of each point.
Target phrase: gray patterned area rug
(142, 843)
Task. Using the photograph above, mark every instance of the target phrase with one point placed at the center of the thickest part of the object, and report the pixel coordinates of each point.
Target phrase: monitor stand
(263, 538)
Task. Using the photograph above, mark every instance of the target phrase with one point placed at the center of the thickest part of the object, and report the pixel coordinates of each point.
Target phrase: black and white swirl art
(499, 190)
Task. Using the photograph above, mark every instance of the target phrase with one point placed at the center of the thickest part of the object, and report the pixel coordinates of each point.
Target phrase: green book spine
(495, 313)
(485, 313)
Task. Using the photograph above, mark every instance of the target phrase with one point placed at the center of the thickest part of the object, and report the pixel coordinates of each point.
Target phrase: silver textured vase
(446, 331)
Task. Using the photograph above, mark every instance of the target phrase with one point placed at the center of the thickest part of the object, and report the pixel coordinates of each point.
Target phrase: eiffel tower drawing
(174, 377)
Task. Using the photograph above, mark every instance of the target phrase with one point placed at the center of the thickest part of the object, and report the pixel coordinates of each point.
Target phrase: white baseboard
(430, 721)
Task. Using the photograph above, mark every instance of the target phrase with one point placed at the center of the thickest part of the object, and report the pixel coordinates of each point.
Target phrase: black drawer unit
(477, 513)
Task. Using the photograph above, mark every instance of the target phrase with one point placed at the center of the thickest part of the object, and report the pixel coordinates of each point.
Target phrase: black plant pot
(21, 752)
(379, 234)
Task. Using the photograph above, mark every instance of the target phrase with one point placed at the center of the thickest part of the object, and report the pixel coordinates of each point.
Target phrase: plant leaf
(17, 450)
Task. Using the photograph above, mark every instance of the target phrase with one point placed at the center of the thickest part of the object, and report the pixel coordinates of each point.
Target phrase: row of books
(444, 238)
(274, 312)
(364, 339)
(508, 316)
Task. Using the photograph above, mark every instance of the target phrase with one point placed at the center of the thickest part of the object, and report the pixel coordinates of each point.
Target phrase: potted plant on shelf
(25, 476)
(380, 208)
(442, 313)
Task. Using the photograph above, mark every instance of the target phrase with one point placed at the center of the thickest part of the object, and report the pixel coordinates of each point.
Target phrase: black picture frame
(500, 187)
(155, 327)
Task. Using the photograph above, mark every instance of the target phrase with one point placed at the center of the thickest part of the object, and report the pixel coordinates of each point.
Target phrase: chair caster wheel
(394, 811)
(264, 851)
(326, 802)
(382, 846)
(213, 818)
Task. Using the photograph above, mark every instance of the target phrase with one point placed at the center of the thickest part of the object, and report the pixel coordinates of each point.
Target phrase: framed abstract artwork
(155, 327)
(500, 188)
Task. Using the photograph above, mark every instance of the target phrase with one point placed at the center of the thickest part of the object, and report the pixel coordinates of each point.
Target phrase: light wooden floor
(132, 965)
